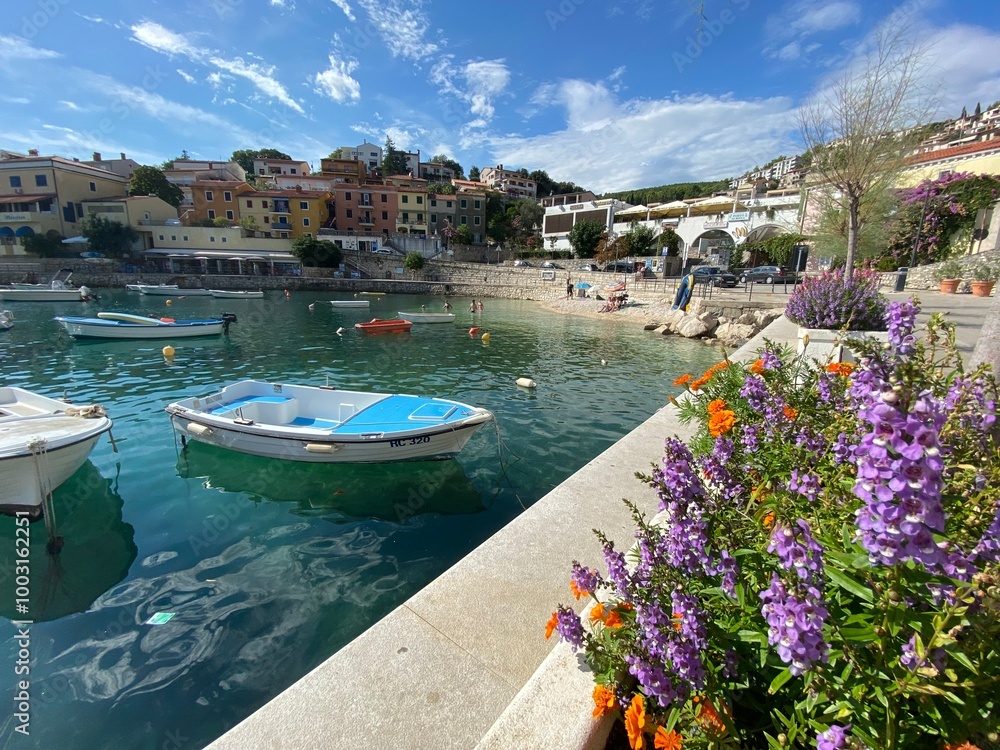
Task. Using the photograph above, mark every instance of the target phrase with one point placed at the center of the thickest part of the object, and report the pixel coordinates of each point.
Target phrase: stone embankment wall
(924, 277)
(729, 322)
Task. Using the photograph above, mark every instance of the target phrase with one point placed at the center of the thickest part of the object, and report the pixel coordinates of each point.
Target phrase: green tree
(546, 186)
(336, 154)
(451, 163)
(316, 253)
(641, 241)
(585, 236)
(245, 157)
(393, 160)
(249, 224)
(222, 221)
(474, 173)
(463, 235)
(414, 261)
(440, 188)
(670, 240)
(497, 228)
(108, 236)
(45, 245)
(151, 181)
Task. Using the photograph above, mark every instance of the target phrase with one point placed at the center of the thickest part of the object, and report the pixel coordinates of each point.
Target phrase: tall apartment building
(470, 210)
(441, 210)
(364, 209)
(286, 214)
(367, 153)
(412, 214)
(508, 181)
(42, 193)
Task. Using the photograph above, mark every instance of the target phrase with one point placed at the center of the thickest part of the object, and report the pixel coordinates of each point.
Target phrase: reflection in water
(98, 552)
(392, 492)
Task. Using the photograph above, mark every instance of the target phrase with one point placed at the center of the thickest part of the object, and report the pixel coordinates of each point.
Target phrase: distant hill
(666, 193)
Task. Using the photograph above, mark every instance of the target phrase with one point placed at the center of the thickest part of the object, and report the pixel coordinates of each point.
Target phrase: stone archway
(711, 247)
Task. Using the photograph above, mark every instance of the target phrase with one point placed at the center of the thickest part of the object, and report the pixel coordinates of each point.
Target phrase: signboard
(739, 216)
(548, 275)
(716, 224)
(15, 217)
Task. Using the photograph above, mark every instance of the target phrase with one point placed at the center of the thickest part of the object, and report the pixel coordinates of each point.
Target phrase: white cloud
(681, 138)
(15, 99)
(70, 105)
(14, 48)
(344, 6)
(336, 82)
(786, 30)
(402, 25)
(186, 76)
(92, 19)
(163, 40)
(963, 66)
(477, 83)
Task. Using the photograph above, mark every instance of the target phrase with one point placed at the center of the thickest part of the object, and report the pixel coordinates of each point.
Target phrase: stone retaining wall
(924, 277)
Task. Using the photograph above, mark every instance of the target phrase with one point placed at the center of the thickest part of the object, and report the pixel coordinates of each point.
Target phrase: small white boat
(43, 441)
(111, 325)
(327, 425)
(45, 295)
(6, 320)
(350, 302)
(168, 291)
(427, 317)
(236, 294)
(135, 287)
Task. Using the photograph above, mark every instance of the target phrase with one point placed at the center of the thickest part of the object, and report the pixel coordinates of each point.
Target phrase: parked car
(522, 264)
(714, 276)
(384, 251)
(588, 267)
(550, 264)
(768, 274)
(621, 266)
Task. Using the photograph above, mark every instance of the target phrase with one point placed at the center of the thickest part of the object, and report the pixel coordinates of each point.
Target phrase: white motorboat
(327, 425)
(168, 291)
(350, 302)
(43, 441)
(112, 325)
(236, 294)
(135, 287)
(427, 317)
(6, 320)
(55, 292)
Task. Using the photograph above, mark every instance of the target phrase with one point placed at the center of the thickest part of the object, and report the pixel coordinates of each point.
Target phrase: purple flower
(769, 360)
(586, 579)
(806, 484)
(909, 659)
(900, 317)
(684, 543)
(569, 626)
(833, 738)
(797, 551)
(830, 301)
(795, 625)
(654, 680)
(617, 571)
(988, 549)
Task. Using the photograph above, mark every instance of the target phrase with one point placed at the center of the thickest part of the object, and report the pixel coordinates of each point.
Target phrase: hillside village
(367, 198)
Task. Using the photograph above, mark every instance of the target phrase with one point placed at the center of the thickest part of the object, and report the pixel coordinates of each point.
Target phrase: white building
(559, 220)
(367, 152)
(274, 167)
(509, 181)
(774, 172)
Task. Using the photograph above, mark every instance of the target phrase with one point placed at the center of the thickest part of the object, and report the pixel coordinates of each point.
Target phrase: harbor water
(266, 568)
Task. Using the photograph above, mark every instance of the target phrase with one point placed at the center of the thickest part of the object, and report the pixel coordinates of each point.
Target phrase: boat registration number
(409, 441)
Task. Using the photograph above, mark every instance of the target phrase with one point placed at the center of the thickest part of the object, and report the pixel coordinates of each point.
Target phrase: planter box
(826, 345)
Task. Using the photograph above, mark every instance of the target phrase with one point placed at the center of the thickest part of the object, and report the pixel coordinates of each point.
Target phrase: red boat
(376, 325)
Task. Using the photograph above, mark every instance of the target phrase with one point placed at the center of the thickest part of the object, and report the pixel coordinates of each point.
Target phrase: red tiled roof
(947, 153)
(218, 184)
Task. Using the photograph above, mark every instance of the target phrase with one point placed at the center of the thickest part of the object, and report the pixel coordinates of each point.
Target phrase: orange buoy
(166, 320)
(474, 330)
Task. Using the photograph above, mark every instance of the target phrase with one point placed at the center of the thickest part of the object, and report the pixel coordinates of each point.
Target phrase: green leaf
(783, 676)
(752, 636)
(964, 660)
(849, 584)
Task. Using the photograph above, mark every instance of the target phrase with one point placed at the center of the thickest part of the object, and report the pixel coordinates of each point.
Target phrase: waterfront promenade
(445, 669)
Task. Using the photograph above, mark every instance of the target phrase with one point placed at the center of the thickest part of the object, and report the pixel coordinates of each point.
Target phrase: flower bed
(825, 570)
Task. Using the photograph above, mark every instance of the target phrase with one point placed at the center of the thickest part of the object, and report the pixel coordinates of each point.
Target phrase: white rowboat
(43, 441)
(166, 291)
(326, 425)
(349, 302)
(44, 295)
(108, 325)
(135, 287)
(427, 317)
(236, 294)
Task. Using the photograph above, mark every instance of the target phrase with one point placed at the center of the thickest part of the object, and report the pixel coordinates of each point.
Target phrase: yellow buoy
(486, 337)
(170, 302)
(168, 351)
(526, 383)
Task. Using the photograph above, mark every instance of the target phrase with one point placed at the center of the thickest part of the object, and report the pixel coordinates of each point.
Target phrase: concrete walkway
(442, 668)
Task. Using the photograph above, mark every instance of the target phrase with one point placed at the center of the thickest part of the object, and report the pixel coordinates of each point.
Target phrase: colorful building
(216, 199)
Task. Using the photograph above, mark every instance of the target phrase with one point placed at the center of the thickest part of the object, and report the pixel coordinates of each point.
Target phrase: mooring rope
(39, 453)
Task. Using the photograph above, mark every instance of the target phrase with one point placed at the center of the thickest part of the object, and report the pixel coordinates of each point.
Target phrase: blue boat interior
(391, 414)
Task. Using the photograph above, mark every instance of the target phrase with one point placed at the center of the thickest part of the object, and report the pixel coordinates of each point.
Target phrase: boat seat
(319, 424)
(263, 409)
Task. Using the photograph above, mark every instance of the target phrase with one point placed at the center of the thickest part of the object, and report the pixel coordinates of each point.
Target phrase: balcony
(366, 221)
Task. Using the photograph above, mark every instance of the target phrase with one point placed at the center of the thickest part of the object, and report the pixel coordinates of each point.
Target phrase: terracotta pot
(982, 288)
(949, 286)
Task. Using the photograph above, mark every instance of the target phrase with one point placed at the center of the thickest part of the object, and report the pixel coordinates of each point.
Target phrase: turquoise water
(269, 567)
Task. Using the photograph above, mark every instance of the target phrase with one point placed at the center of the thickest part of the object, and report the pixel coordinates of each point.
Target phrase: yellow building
(42, 193)
(138, 211)
(982, 157)
(284, 214)
(412, 214)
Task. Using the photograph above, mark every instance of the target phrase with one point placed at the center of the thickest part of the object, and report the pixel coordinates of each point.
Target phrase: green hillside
(666, 193)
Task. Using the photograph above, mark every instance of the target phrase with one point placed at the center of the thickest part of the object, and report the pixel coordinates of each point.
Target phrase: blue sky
(611, 94)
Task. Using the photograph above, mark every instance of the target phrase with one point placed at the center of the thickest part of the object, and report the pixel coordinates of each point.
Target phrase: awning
(194, 253)
(24, 232)
(6, 232)
(17, 198)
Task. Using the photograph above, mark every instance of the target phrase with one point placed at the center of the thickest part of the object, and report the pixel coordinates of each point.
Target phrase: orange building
(364, 209)
(217, 199)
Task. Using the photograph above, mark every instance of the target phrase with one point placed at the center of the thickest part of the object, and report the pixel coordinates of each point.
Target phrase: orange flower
(709, 718)
(597, 613)
(757, 367)
(716, 405)
(664, 740)
(577, 591)
(604, 701)
(677, 620)
(768, 520)
(682, 380)
(791, 413)
(624, 607)
(697, 384)
(840, 368)
(721, 422)
(635, 721)
(551, 625)
(963, 746)
(614, 620)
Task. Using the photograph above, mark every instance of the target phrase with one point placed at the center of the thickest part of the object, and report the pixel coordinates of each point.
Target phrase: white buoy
(312, 306)
(526, 383)
(604, 361)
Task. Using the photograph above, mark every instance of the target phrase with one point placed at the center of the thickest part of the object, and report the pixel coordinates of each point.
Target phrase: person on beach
(480, 305)
(569, 287)
(472, 307)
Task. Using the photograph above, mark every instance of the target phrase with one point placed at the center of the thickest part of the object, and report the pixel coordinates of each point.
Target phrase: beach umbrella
(583, 285)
